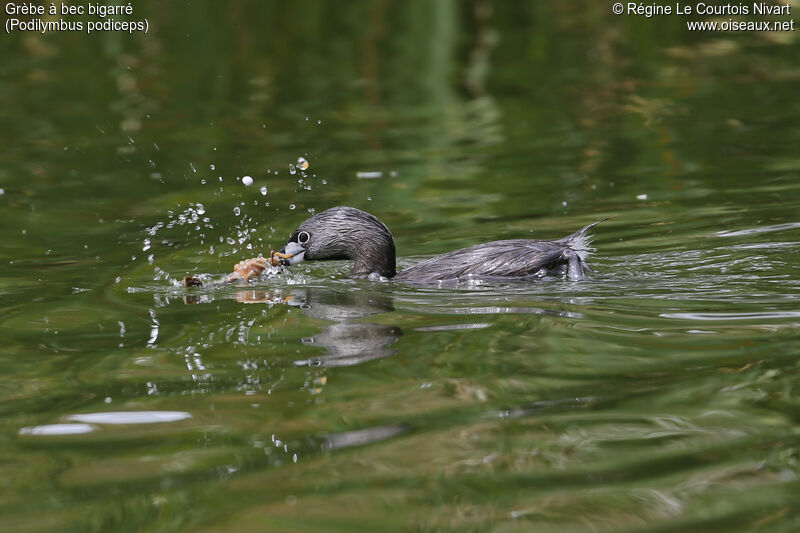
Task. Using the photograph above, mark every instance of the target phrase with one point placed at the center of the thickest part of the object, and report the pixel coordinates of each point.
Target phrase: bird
(348, 233)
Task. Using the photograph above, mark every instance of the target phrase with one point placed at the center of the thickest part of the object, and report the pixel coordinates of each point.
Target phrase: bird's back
(511, 258)
(514, 258)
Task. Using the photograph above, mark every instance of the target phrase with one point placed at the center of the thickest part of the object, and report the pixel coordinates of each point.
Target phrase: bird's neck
(374, 256)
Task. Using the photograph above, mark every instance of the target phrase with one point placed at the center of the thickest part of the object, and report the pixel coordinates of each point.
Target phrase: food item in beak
(244, 270)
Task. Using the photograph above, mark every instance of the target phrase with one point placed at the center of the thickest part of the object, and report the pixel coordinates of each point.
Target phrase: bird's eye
(303, 237)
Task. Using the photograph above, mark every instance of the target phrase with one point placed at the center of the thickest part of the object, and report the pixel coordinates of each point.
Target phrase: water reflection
(130, 417)
(349, 340)
(352, 344)
(57, 429)
(361, 437)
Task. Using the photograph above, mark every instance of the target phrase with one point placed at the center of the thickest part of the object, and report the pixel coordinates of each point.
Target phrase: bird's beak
(291, 254)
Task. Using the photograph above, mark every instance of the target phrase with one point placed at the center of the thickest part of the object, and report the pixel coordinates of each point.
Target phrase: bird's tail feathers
(581, 240)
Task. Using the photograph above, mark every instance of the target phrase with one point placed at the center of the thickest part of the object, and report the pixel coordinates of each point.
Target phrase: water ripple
(759, 229)
(732, 316)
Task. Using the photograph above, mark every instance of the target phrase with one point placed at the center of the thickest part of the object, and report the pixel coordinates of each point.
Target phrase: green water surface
(663, 394)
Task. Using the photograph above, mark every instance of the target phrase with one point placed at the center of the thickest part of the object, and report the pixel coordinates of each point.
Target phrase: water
(661, 394)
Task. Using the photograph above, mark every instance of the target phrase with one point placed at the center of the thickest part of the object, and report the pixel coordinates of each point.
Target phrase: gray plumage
(349, 233)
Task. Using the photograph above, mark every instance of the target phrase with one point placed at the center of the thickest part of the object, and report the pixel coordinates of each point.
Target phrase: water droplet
(247, 180)
(212, 167)
(237, 211)
(201, 210)
(292, 207)
(292, 170)
(324, 182)
(319, 122)
(263, 190)
(302, 164)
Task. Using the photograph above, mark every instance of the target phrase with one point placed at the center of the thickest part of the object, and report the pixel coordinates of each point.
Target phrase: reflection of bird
(349, 340)
(349, 233)
(352, 343)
